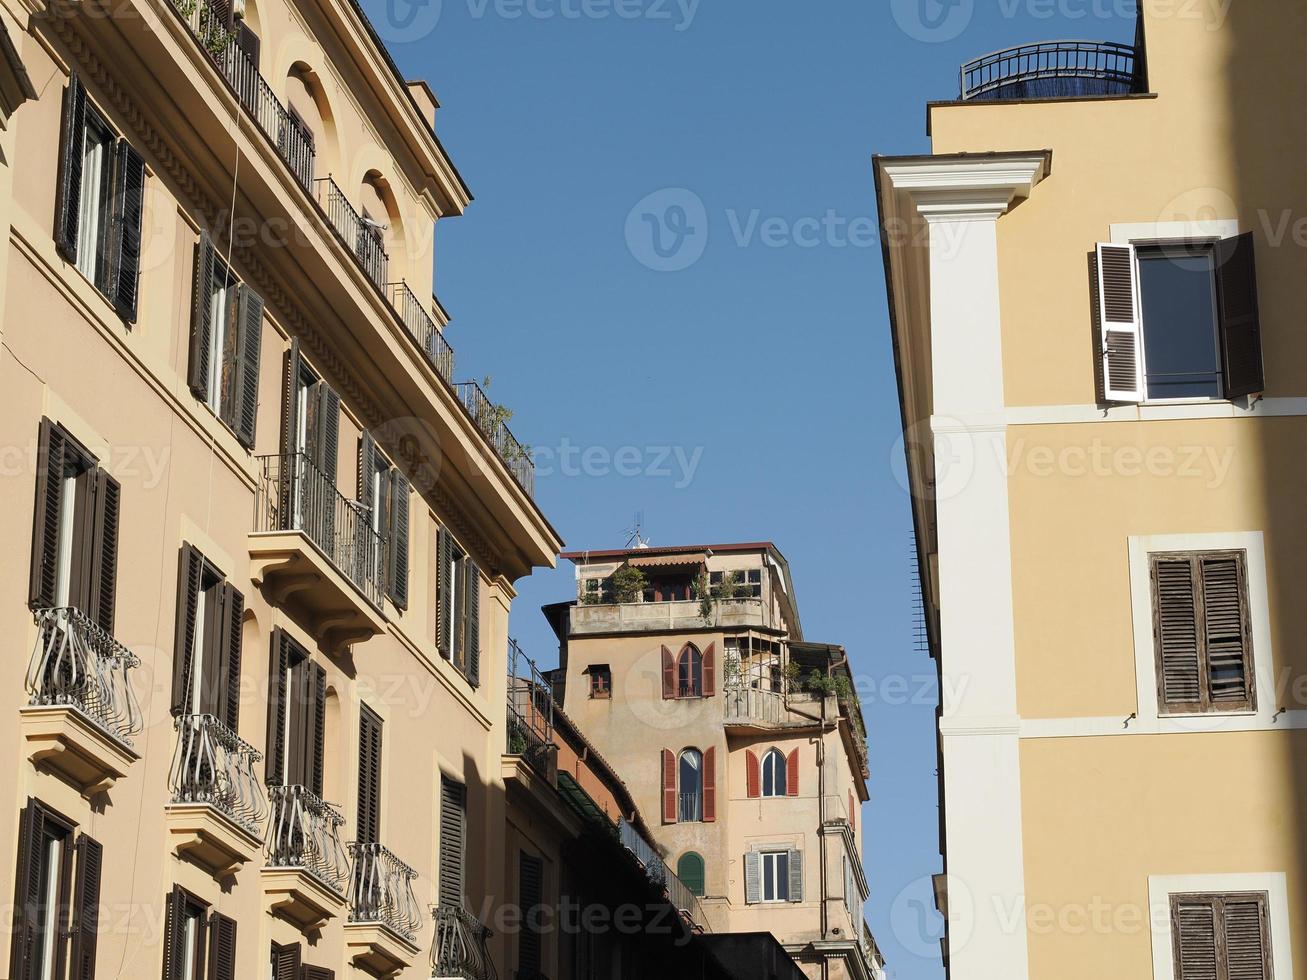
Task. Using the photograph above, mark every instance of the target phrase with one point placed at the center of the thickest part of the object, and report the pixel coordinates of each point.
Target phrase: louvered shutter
(444, 606)
(1247, 945)
(369, 803)
(853, 813)
(752, 877)
(249, 326)
(397, 541)
(72, 139)
(319, 722)
(316, 973)
(669, 786)
(27, 891)
(792, 773)
(1226, 631)
(190, 571)
(222, 947)
(710, 785)
(174, 929)
(530, 888)
(326, 444)
(1176, 638)
(290, 442)
(710, 670)
(1193, 928)
(233, 609)
(128, 211)
(274, 762)
(201, 318)
(367, 470)
(286, 962)
(1120, 336)
(453, 832)
(86, 907)
(796, 876)
(104, 542)
(669, 675)
(1221, 937)
(472, 634)
(752, 774)
(1240, 321)
(49, 506)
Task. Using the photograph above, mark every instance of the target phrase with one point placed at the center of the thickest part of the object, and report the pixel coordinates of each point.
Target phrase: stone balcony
(306, 872)
(641, 617)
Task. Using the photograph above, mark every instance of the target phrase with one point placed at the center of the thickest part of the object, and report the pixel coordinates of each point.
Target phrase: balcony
(361, 236)
(216, 815)
(637, 617)
(381, 934)
(492, 419)
(82, 711)
(459, 949)
(1053, 70)
(307, 868)
(762, 709)
(315, 552)
(530, 714)
(677, 892)
(422, 329)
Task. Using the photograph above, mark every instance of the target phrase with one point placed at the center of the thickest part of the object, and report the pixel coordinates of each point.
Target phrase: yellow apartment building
(1094, 281)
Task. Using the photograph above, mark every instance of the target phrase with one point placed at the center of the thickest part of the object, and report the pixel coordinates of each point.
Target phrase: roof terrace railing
(422, 328)
(490, 419)
(1051, 70)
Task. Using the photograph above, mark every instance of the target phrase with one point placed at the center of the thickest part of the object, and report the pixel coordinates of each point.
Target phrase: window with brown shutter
(297, 694)
(369, 802)
(207, 644)
(531, 873)
(385, 494)
(42, 894)
(1202, 633)
(285, 962)
(458, 607)
(1221, 937)
(222, 947)
(187, 936)
(453, 842)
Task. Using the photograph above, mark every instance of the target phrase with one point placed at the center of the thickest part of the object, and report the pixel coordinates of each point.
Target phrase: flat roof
(602, 555)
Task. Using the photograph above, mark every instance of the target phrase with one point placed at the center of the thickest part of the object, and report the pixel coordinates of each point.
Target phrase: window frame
(778, 877)
(1218, 901)
(689, 673)
(601, 682)
(96, 126)
(750, 580)
(696, 795)
(1163, 249)
(779, 774)
(224, 340)
(702, 872)
(1273, 883)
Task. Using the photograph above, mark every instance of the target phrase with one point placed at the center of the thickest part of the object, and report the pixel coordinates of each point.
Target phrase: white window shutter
(1120, 334)
(796, 876)
(752, 877)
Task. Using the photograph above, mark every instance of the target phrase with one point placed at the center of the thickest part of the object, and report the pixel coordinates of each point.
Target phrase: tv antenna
(635, 534)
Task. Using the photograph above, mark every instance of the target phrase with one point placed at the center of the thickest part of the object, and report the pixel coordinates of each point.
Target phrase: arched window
(689, 673)
(691, 872)
(773, 774)
(690, 800)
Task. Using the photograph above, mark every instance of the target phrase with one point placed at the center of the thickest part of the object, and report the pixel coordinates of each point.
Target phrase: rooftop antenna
(635, 535)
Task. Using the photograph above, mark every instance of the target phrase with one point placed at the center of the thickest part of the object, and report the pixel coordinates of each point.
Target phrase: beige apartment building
(743, 743)
(1094, 284)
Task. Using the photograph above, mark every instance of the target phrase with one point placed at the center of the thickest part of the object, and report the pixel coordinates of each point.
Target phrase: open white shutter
(1121, 338)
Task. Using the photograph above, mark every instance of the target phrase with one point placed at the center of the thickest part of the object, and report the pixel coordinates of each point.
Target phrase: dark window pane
(1179, 320)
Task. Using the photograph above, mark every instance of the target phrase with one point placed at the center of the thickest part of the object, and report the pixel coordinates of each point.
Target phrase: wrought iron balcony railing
(491, 420)
(530, 710)
(678, 893)
(207, 22)
(422, 328)
(304, 832)
(77, 664)
(459, 949)
(294, 495)
(381, 890)
(361, 236)
(214, 765)
(1053, 69)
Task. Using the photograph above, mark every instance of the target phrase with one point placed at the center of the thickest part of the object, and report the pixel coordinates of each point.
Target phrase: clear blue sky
(766, 359)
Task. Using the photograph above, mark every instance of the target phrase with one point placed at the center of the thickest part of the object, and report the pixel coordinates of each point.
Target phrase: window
(195, 940)
(744, 583)
(368, 824)
(773, 774)
(776, 774)
(285, 964)
(1179, 320)
(776, 876)
(669, 588)
(101, 196)
(310, 443)
(75, 532)
(207, 650)
(531, 872)
(691, 798)
(1202, 633)
(690, 869)
(297, 703)
(689, 785)
(453, 842)
(601, 682)
(597, 591)
(689, 673)
(1221, 937)
(384, 493)
(226, 336)
(773, 874)
(458, 607)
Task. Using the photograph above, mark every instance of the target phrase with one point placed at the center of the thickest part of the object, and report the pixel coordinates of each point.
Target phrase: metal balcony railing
(530, 710)
(678, 893)
(381, 890)
(77, 664)
(459, 949)
(213, 765)
(304, 832)
(294, 495)
(362, 237)
(490, 420)
(1053, 69)
(207, 22)
(422, 328)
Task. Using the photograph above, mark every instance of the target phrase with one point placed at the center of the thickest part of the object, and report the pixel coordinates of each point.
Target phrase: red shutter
(710, 785)
(669, 785)
(853, 813)
(753, 775)
(669, 675)
(710, 670)
(792, 774)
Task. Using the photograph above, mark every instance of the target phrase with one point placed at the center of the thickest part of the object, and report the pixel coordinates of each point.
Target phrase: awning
(668, 561)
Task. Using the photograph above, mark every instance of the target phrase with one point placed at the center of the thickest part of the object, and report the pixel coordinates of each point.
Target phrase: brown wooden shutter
(1226, 633)
(453, 834)
(1221, 937)
(45, 526)
(73, 135)
(397, 541)
(197, 375)
(274, 762)
(1175, 630)
(233, 612)
(669, 675)
(530, 879)
(286, 962)
(1193, 928)
(792, 773)
(222, 947)
(86, 907)
(710, 670)
(324, 437)
(669, 786)
(249, 345)
(1240, 321)
(174, 931)
(1120, 334)
(104, 542)
(190, 573)
(369, 804)
(319, 732)
(128, 208)
(27, 888)
(752, 774)
(710, 785)
(316, 973)
(290, 403)
(1247, 937)
(444, 607)
(368, 465)
(472, 634)
(853, 813)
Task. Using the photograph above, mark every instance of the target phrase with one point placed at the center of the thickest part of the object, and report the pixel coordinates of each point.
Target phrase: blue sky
(731, 379)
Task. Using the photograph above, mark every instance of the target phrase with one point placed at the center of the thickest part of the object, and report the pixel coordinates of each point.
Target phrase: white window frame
(768, 862)
(1162, 887)
(778, 791)
(94, 203)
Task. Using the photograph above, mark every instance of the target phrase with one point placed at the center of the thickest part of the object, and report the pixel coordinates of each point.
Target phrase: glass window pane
(1179, 320)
